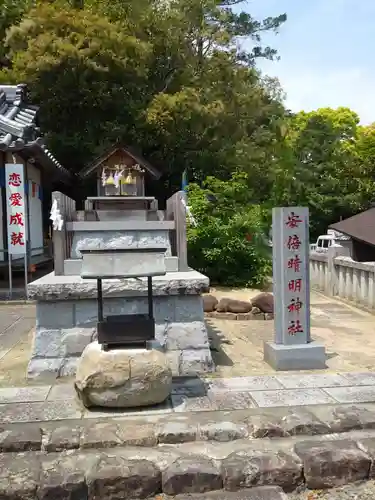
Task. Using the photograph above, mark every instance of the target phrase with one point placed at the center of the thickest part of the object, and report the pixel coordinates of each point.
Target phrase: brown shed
(361, 229)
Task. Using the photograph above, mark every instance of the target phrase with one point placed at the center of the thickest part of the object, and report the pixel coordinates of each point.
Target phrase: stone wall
(67, 316)
(336, 274)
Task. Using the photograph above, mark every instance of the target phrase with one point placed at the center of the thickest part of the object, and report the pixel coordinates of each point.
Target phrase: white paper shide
(55, 217)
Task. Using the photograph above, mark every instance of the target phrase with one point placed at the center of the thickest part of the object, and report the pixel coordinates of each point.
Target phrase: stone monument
(293, 348)
(119, 217)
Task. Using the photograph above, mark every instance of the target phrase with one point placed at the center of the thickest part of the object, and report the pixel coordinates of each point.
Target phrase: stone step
(199, 468)
(262, 493)
(94, 429)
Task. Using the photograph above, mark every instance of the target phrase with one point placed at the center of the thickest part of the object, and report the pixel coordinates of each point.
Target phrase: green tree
(322, 170)
(11, 12)
(86, 72)
(159, 76)
(228, 241)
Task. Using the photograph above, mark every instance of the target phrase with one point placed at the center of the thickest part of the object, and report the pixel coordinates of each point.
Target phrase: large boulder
(122, 378)
(234, 306)
(264, 302)
(209, 303)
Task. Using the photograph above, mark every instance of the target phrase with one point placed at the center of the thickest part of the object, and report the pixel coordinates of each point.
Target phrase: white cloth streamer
(55, 217)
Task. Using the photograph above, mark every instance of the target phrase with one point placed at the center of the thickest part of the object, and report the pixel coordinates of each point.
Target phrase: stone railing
(62, 239)
(336, 274)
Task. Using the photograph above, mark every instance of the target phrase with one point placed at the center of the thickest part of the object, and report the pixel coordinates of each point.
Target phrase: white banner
(16, 208)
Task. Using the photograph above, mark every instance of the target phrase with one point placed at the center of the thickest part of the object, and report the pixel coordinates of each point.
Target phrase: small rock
(62, 438)
(176, 432)
(264, 302)
(261, 468)
(222, 431)
(191, 474)
(122, 378)
(261, 493)
(332, 463)
(25, 438)
(100, 435)
(116, 478)
(209, 303)
(19, 476)
(63, 476)
(233, 306)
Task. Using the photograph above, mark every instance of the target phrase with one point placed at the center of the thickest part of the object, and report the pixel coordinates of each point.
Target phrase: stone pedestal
(293, 348)
(295, 357)
(122, 378)
(67, 314)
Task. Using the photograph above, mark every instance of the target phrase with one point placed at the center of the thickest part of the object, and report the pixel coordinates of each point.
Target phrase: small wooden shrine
(120, 171)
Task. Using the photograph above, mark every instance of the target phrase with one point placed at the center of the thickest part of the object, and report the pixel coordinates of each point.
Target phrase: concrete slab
(358, 394)
(296, 397)
(183, 403)
(256, 383)
(62, 392)
(39, 412)
(354, 378)
(231, 400)
(24, 394)
(312, 381)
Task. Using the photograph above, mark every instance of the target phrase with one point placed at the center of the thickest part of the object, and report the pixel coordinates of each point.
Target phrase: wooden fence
(62, 240)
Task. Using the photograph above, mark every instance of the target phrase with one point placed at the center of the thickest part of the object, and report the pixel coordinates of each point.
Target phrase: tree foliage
(166, 77)
(173, 79)
(227, 243)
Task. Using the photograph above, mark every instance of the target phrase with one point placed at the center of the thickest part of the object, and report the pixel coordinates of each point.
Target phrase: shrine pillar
(293, 348)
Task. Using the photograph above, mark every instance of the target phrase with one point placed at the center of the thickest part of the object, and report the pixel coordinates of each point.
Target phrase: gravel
(356, 491)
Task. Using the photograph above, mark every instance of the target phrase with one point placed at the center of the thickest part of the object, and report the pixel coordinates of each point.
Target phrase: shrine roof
(19, 131)
(359, 227)
(135, 155)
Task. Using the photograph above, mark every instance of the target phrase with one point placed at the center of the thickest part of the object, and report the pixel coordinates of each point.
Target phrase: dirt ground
(237, 346)
(348, 334)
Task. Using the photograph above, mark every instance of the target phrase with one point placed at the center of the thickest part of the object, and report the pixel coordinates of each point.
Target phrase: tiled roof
(18, 128)
(17, 117)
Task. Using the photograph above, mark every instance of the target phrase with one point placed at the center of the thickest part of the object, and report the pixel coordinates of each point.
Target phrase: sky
(327, 51)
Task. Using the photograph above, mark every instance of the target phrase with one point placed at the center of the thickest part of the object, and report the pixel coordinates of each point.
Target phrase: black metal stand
(131, 330)
(100, 300)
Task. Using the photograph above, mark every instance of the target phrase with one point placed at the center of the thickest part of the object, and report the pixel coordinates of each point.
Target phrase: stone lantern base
(122, 378)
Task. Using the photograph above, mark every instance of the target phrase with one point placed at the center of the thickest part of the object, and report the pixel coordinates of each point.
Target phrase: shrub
(228, 243)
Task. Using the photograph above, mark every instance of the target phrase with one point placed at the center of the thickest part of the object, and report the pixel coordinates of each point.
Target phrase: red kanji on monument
(295, 327)
(14, 180)
(16, 219)
(295, 264)
(15, 200)
(293, 220)
(295, 306)
(295, 285)
(16, 239)
(294, 242)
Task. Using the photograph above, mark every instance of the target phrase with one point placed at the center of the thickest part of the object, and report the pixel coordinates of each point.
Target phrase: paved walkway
(42, 403)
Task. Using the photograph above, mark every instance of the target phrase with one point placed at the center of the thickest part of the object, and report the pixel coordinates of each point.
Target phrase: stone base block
(67, 312)
(122, 378)
(295, 357)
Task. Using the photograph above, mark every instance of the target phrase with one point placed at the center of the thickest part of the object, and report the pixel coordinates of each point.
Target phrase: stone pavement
(58, 402)
(16, 320)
